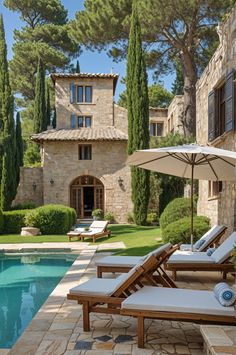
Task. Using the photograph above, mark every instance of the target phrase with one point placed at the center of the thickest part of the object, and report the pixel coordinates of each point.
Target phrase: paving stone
(54, 347)
(182, 349)
(123, 338)
(83, 345)
(104, 346)
(168, 348)
(104, 338)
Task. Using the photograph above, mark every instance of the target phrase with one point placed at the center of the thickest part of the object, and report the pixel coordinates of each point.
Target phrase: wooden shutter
(72, 93)
(211, 116)
(229, 102)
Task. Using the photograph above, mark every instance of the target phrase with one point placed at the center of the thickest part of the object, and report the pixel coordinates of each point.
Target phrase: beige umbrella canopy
(188, 161)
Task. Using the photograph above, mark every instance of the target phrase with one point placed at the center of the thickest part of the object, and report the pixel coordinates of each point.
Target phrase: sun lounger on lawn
(106, 295)
(175, 305)
(220, 260)
(97, 230)
(121, 264)
(210, 238)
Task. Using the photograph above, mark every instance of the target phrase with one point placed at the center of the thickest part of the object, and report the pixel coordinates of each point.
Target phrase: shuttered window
(221, 114)
(73, 121)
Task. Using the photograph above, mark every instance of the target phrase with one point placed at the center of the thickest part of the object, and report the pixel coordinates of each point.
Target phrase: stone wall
(120, 118)
(108, 164)
(222, 209)
(30, 188)
(175, 115)
(101, 108)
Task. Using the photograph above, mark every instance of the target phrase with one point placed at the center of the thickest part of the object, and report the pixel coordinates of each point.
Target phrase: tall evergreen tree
(8, 147)
(54, 119)
(138, 117)
(48, 105)
(77, 68)
(19, 150)
(40, 115)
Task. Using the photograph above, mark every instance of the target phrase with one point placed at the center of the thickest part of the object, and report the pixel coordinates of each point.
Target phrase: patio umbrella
(188, 161)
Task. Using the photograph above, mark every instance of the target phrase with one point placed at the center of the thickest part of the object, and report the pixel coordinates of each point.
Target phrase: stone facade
(175, 115)
(221, 207)
(30, 188)
(107, 136)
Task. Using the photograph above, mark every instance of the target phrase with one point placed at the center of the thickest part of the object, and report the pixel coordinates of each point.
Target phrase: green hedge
(51, 219)
(13, 221)
(179, 231)
(1, 222)
(176, 209)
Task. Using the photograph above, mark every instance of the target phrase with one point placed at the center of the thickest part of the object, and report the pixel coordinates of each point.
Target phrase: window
(221, 113)
(156, 129)
(85, 152)
(80, 121)
(214, 188)
(88, 93)
(81, 94)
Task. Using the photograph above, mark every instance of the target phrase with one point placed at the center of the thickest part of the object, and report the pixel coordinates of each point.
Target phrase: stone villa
(84, 158)
(216, 123)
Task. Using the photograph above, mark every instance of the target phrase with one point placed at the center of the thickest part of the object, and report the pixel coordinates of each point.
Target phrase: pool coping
(44, 318)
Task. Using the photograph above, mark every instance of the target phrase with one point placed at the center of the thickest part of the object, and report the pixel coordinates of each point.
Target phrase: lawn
(138, 240)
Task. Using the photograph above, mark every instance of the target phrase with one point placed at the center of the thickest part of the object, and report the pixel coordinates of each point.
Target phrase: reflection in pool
(26, 281)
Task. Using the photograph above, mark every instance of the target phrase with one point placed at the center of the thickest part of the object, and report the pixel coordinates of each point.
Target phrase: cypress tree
(19, 150)
(77, 68)
(8, 146)
(48, 106)
(40, 116)
(138, 117)
(54, 120)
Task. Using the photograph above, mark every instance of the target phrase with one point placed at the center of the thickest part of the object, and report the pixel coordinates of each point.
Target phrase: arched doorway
(86, 194)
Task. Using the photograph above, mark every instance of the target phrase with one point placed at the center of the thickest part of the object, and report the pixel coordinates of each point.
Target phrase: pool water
(26, 281)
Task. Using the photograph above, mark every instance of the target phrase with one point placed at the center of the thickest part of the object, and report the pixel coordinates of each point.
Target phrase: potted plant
(97, 214)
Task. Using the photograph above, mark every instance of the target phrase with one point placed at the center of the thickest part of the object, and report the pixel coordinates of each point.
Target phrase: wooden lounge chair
(106, 295)
(97, 230)
(220, 260)
(175, 305)
(211, 238)
(120, 264)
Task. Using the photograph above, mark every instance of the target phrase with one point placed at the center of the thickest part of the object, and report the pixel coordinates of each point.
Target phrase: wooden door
(77, 201)
(99, 197)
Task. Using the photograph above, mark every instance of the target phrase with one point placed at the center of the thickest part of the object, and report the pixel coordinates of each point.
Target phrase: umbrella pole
(191, 225)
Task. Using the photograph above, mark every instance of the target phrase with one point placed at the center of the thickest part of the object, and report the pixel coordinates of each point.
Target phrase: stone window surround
(73, 97)
(77, 121)
(157, 123)
(214, 190)
(84, 94)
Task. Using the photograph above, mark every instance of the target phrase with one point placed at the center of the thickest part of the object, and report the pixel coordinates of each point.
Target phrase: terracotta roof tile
(82, 134)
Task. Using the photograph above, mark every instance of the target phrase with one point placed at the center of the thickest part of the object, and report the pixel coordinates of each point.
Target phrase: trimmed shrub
(51, 219)
(152, 218)
(176, 209)
(13, 221)
(130, 218)
(109, 216)
(179, 231)
(24, 206)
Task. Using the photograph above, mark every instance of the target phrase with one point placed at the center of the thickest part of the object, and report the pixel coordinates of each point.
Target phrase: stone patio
(57, 327)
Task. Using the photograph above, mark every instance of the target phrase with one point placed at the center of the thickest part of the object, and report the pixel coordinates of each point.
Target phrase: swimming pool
(26, 281)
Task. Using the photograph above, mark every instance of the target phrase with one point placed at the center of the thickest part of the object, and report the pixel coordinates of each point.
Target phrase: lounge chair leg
(174, 275)
(86, 321)
(99, 273)
(141, 332)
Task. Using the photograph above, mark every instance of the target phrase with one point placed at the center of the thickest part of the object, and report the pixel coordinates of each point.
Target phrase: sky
(90, 62)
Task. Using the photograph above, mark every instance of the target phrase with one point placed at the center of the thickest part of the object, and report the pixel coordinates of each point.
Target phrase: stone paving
(57, 327)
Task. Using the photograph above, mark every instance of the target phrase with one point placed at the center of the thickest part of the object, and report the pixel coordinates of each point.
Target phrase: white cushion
(176, 300)
(126, 261)
(209, 237)
(99, 224)
(182, 257)
(225, 249)
(131, 261)
(93, 231)
(96, 287)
